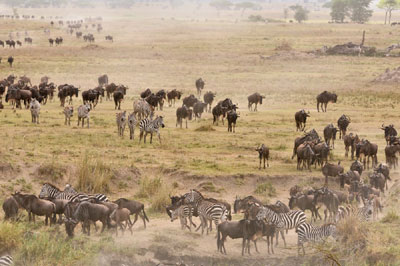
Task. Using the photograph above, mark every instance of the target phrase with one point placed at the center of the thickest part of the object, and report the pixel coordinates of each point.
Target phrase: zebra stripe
(210, 211)
(6, 260)
(363, 214)
(50, 191)
(192, 198)
(309, 233)
(151, 126)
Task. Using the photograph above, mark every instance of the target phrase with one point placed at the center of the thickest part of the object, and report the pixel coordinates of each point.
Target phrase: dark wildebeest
(121, 215)
(10, 208)
(333, 170)
(19, 95)
(324, 98)
(209, 98)
(110, 88)
(10, 60)
(321, 151)
(190, 100)
(232, 116)
(103, 80)
(312, 135)
(35, 206)
(199, 85)
(173, 95)
(377, 180)
(343, 122)
(330, 134)
(263, 154)
(198, 109)
(90, 97)
(255, 98)
(305, 202)
(367, 149)
(162, 96)
(154, 100)
(87, 212)
(390, 131)
(119, 93)
(357, 166)
(384, 169)
(146, 93)
(51, 42)
(109, 38)
(305, 155)
(329, 199)
(183, 113)
(350, 141)
(391, 155)
(349, 177)
(301, 119)
(217, 112)
(134, 207)
(10, 43)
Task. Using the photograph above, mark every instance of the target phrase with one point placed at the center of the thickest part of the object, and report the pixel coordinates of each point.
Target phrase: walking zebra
(6, 260)
(192, 199)
(132, 121)
(309, 233)
(363, 214)
(183, 212)
(121, 123)
(142, 109)
(282, 221)
(151, 126)
(211, 211)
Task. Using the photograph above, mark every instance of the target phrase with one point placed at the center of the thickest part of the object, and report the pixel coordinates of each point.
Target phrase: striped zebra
(309, 233)
(211, 211)
(282, 221)
(142, 109)
(151, 126)
(50, 191)
(6, 260)
(121, 122)
(362, 214)
(132, 121)
(183, 212)
(98, 197)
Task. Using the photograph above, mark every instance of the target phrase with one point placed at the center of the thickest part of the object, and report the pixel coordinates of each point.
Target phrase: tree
(300, 13)
(221, 5)
(245, 5)
(388, 6)
(339, 10)
(359, 10)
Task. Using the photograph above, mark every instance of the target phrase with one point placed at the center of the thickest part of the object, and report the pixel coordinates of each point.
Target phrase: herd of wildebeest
(259, 219)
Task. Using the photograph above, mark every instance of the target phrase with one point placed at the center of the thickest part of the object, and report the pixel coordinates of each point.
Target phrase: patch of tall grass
(93, 176)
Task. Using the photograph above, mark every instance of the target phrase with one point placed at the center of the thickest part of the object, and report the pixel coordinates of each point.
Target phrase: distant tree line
(73, 3)
(356, 10)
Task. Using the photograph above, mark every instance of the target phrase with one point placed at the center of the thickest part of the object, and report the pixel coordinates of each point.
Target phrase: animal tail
(218, 237)
(144, 214)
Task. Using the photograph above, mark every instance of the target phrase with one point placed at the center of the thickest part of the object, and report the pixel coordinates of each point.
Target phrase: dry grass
(93, 176)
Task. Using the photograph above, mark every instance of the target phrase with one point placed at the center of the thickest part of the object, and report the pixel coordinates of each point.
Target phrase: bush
(265, 189)
(11, 236)
(283, 46)
(148, 187)
(93, 176)
(390, 217)
(52, 171)
(256, 18)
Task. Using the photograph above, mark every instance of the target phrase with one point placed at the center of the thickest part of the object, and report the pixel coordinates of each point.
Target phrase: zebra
(68, 112)
(210, 211)
(83, 112)
(132, 121)
(121, 122)
(192, 199)
(50, 191)
(6, 260)
(151, 126)
(362, 214)
(309, 233)
(142, 109)
(97, 197)
(182, 212)
(35, 110)
(282, 221)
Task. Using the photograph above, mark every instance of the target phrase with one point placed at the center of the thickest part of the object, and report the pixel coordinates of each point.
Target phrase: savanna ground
(162, 51)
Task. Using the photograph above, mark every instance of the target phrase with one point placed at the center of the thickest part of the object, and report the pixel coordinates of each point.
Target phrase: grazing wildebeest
(119, 93)
(87, 212)
(304, 202)
(121, 123)
(301, 119)
(255, 98)
(232, 116)
(348, 177)
(343, 122)
(305, 155)
(209, 98)
(35, 206)
(263, 154)
(173, 95)
(324, 98)
(190, 101)
(198, 109)
(103, 80)
(17, 95)
(145, 93)
(350, 141)
(35, 110)
(333, 170)
(132, 121)
(121, 215)
(183, 113)
(367, 149)
(135, 207)
(330, 134)
(391, 155)
(390, 131)
(10, 208)
(199, 85)
(68, 112)
(110, 88)
(83, 112)
(10, 60)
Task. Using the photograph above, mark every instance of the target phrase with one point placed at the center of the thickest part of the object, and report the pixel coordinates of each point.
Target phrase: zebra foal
(183, 212)
(148, 126)
(309, 233)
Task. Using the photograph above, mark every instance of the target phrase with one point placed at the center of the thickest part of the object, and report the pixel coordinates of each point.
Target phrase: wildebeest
(321, 151)
(217, 112)
(173, 95)
(343, 122)
(121, 215)
(350, 141)
(333, 170)
(209, 98)
(10, 60)
(190, 101)
(349, 177)
(90, 97)
(19, 43)
(391, 155)
(367, 149)
(103, 80)
(304, 202)
(35, 110)
(119, 93)
(135, 207)
(255, 99)
(28, 40)
(10, 43)
(198, 109)
(183, 113)
(10, 208)
(154, 100)
(145, 93)
(263, 154)
(90, 212)
(83, 113)
(329, 199)
(383, 169)
(68, 112)
(51, 41)
(232, 116)
(17, 95)
(390, 131)
(330, 134)
(305, 155)
(121, 122)
(324, 98)
(109, 38)
(377, 180)
(301, 119)
(199, 85)
(312, 135)
(35, 206)
(357, 166)
(110, 88)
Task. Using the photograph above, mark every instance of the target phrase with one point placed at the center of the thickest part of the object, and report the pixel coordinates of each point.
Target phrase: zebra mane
(51, 185)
